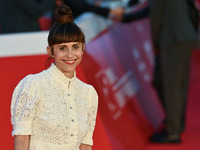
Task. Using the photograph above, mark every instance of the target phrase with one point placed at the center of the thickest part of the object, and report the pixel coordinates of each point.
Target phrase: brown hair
(64, 29)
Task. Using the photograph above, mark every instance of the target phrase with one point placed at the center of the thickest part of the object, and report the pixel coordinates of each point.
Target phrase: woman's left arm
(92, 114)
(85, 147)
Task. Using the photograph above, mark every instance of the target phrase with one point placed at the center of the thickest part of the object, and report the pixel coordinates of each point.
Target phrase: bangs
(66, 33)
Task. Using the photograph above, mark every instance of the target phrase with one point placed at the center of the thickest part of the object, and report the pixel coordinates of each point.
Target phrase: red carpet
(191, 136)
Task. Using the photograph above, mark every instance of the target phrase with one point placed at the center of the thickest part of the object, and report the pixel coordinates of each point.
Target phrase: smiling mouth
(69, 61)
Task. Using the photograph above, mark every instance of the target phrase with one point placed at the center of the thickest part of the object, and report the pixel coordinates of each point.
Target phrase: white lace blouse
(59, 113)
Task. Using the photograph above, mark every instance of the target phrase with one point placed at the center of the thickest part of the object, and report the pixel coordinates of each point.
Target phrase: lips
(69, 61)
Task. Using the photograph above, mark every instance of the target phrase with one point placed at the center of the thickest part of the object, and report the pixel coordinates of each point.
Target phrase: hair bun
(63, 14)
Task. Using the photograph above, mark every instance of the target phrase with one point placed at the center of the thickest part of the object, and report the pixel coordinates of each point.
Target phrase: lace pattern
(54, 109)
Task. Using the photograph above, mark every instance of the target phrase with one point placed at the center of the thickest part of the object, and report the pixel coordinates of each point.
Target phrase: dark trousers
(175, 63)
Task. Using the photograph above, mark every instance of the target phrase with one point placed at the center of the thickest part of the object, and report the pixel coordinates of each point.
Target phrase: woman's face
(67, 56)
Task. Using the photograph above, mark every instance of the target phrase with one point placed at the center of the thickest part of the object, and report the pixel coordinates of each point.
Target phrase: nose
(69, 53)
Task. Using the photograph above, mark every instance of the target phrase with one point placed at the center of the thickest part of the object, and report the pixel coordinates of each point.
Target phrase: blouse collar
(61, 75)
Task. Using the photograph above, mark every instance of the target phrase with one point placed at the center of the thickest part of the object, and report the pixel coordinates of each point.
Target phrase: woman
(54, 110)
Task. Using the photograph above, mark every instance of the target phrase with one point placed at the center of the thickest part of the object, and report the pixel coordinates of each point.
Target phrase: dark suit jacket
(173, 21)
(22, 15)
(80, 6)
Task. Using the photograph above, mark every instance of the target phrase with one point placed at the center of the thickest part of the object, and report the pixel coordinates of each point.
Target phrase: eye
(76, 46)
(62, 48)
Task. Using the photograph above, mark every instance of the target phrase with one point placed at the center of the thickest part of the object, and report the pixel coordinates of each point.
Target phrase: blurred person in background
(133, 2)
(22, 15)
(174, 27)
(80, 6)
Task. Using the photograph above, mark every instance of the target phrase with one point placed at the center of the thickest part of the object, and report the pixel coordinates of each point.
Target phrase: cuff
(88, 139)
(22, 128)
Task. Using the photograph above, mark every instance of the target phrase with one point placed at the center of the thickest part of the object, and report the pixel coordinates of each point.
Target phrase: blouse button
(72, 120)
(72, 134)
(68, 94)
(70, 107)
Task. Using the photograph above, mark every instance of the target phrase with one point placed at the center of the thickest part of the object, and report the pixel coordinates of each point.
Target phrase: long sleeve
(92, 113)
(80, 6)
(134, 16)
(24, 100)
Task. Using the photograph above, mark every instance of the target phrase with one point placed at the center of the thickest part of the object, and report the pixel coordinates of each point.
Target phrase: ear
(50, 51)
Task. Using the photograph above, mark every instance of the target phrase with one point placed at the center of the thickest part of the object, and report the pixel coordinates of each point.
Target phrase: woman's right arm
(23, 106)
(21, 142)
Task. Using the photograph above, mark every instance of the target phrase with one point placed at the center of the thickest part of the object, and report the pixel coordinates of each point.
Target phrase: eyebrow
(76, 44)
(61, 46)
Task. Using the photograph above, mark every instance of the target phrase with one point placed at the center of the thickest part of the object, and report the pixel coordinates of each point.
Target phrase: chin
(69, 70)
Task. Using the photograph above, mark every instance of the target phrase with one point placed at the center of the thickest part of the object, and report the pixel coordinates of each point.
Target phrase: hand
(117, 13)
(59, 2)
(85, 147)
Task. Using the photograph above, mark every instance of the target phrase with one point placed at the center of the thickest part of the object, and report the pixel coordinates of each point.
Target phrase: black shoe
(163, 137)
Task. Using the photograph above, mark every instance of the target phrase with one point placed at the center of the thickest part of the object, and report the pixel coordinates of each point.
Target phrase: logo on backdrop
(117, 89)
